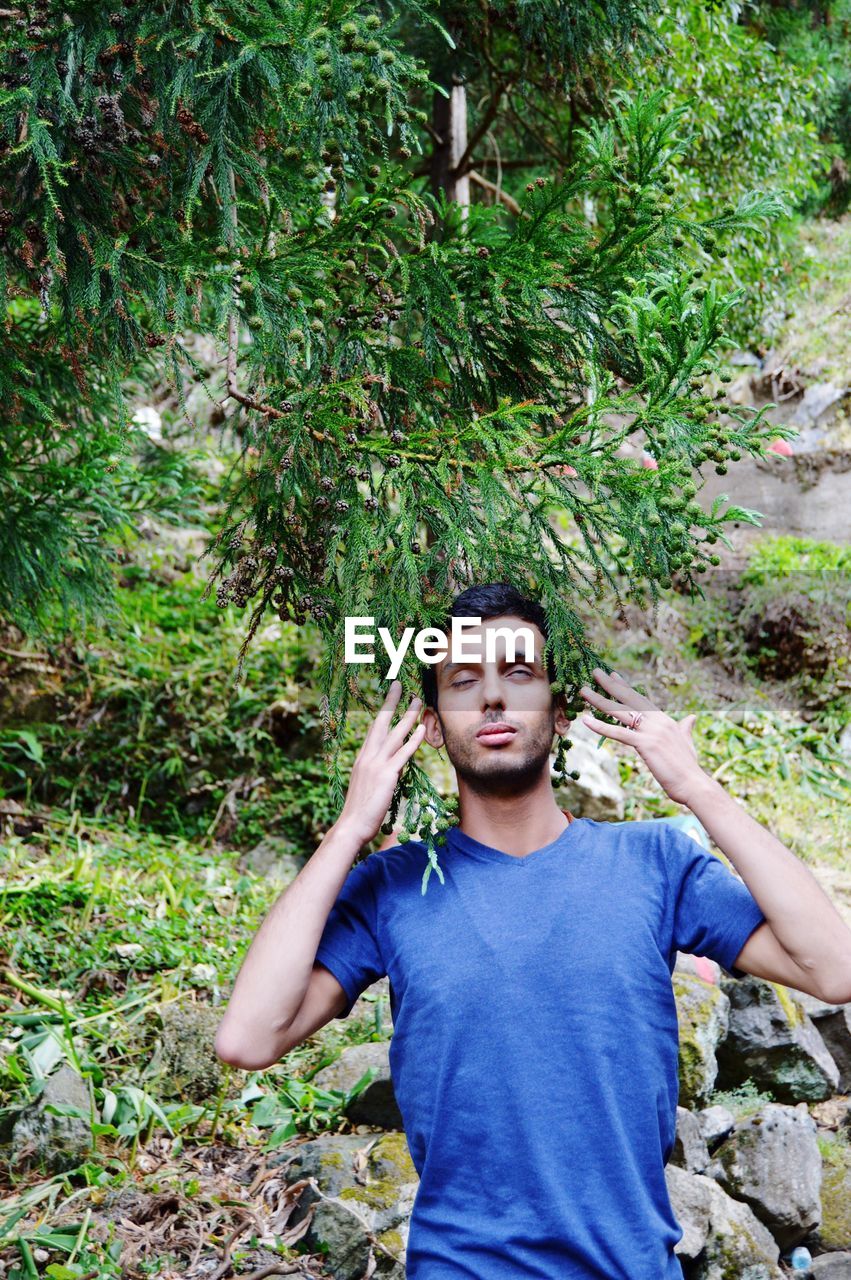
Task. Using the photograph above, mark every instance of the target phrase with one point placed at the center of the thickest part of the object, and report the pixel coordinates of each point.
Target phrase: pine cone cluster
(238, 587)
(190, 126)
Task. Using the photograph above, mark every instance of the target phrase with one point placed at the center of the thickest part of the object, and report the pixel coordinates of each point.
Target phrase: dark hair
(495, 600)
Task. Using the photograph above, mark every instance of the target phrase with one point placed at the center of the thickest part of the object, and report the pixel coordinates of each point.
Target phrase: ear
(433, 731)
(562, 720)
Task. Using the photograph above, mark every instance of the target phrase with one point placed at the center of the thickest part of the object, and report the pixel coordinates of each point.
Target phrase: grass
(152, 728)
(105, 930)
(816, 335)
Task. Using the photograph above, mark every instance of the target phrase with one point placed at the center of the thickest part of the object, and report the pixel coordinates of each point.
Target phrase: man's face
(474, 696)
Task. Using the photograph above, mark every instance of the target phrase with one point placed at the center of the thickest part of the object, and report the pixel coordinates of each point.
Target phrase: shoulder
(653, 841)
(645, 833)
(396, 863)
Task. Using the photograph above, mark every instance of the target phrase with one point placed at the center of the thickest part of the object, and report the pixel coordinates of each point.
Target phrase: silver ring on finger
(635, 720)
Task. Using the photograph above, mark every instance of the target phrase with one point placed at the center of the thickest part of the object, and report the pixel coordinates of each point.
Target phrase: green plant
(741, 93)
(779, 556)
(744, 1100)
(399, 356)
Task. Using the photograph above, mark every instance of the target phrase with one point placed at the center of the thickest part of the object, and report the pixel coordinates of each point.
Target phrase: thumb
(689, 723)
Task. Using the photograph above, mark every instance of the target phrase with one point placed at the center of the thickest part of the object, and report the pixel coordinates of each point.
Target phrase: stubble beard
(502, 771)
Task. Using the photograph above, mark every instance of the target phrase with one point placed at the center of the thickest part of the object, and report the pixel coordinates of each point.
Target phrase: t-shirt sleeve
(714, 912)
(349, 944)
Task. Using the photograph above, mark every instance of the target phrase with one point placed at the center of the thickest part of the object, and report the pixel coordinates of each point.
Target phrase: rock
(832, 1114)
(741, 391)
(816, 400)
(716, 1123)
(772, 1041)
(377, 1104)
(275, 858)
(186, 1055)
(49, 1141)
(815, 1008)
(140, 1207)
(834, 1230)
(351, 1215)
(835, 1029)
(772, 1163)
(150, 420)
(170, 551)
(690, 1151)
(746, 358)
(30, 694)
(690, 1201)
(339, 1232)
(598, 793)
(831, 1266)
(737, 1245)
(701, 966)
(703, 1015)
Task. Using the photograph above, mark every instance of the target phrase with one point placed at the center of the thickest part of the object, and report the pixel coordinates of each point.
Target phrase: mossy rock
(186, 1055)
(703, 1013)
(738, 1246)
(772, 1041)
(834, 1230)
(362, 1190)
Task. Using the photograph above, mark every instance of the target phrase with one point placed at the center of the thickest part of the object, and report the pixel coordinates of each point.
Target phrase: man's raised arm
(275, 975)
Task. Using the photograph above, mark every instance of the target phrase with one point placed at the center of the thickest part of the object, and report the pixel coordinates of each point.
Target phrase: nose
(493, 694)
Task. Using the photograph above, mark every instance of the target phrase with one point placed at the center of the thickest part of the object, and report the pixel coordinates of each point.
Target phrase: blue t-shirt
(535, 1043)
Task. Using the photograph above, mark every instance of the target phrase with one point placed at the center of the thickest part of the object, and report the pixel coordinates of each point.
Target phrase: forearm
(274, 976)
(802, 917)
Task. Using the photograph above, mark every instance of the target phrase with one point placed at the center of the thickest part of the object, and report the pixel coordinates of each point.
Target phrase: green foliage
(745, 1100)
(752, 115)
(152, 727)
(776, 557)
(816, 35)
(544, 333)
(111, 929)
(752, 745)
(398, 361)
(119, 927)
(74, 477)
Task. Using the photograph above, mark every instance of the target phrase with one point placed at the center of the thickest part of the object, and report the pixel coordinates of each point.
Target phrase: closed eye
(515, 671)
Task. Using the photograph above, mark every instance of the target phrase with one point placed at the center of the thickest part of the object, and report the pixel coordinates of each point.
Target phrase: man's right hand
(377, 766)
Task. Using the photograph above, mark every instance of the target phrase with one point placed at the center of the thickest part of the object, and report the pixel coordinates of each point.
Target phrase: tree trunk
(449, 120)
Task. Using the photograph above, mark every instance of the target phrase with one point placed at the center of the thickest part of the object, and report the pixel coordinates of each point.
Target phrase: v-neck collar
(459, 840)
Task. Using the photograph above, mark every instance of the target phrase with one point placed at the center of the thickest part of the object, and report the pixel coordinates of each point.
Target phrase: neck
(513, 824)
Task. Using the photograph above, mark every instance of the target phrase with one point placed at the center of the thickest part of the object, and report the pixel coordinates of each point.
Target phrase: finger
(388, 706)
(618, 688)
(619, 732)
(400, 731)
(616, 709)
(689, 723)
(408, 748)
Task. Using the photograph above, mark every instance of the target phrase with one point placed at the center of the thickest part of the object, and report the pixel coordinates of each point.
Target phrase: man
(534, 1051)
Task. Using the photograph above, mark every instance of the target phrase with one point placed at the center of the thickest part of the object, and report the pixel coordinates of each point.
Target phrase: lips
(494, 735)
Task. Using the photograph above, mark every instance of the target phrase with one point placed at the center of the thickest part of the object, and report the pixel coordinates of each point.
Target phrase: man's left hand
(665, 745)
